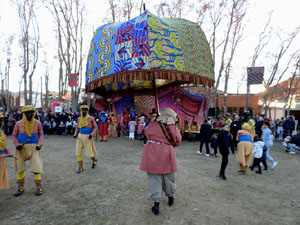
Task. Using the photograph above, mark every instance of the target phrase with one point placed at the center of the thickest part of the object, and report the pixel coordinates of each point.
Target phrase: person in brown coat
(159, 157)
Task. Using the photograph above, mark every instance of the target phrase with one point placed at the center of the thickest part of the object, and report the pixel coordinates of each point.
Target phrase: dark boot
(94, 162)
(38, 184)
(155, 208)
(20, 188)
(223, 177)
(80, 164)
(171, 201)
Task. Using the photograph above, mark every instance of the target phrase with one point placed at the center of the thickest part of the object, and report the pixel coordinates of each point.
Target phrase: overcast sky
(285, 19)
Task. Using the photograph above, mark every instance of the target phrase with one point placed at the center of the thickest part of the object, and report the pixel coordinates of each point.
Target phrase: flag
(255, 75)
(73, 77)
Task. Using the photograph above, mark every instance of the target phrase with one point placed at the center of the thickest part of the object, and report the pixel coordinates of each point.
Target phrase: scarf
(2, 141)
(103, 117)
(28, 125)
(83, 120)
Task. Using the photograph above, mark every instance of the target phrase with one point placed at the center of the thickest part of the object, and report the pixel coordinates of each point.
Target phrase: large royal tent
(147, 55)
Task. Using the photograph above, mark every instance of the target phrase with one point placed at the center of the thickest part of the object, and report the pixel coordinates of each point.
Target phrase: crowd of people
(250, 138)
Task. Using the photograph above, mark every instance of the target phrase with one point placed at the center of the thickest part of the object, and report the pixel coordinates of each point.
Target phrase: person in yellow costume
(28, 139)
(185, 130)
(113, 126)
(85, 130)
(194, 130)
(3, 154)
(244, 147)
(251, 122)
(228, 119)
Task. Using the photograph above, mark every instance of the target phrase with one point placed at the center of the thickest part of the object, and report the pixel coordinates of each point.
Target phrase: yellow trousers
(29, 152)
(83, 142)
(3, 174)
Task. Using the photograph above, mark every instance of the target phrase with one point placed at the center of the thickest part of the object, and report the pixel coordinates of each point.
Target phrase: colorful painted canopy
(126, 58)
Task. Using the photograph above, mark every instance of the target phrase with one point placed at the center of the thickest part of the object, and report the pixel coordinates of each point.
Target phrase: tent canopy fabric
(129, 57)
(188, 106)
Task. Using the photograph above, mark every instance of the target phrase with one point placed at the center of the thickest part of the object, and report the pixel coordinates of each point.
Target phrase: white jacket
(258, 148)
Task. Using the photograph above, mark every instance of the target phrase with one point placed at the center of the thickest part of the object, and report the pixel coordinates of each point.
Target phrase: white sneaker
(199, 153)
(207, 155)
(274, 165)
(292, 153)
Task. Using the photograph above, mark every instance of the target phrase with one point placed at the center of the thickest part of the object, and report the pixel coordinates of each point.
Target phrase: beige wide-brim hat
(167, 116)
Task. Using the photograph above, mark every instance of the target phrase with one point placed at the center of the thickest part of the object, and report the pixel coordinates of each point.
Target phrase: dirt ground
(115, 192)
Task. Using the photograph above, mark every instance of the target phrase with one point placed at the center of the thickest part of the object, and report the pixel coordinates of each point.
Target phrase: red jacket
(159, 155)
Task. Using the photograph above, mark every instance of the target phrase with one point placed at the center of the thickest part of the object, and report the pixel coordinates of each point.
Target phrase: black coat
(258, 127)
(224, 141)
(235, 127)
(205, 132)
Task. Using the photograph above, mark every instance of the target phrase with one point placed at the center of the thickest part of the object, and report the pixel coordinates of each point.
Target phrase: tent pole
(156, 97)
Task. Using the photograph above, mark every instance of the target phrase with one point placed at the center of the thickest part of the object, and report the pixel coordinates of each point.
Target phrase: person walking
(236, 125)
(268, 137)
(103, 126)
(132, 125)
(159, 157)
(205, 135)
(85, 130)
(258, 147)
(224, 141)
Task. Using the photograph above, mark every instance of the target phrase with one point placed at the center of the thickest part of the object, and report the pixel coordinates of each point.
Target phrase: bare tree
(231, 24)
(30, 39)
(235, 39)
(46, 75)
(113, 6)
(171, 9)
(211, 14)
(68, 16)
(263, 40)
(293, 86)
(128, 7)
(4, 76)
(284, 46)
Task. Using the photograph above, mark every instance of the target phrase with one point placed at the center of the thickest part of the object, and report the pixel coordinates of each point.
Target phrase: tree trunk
(47, 92)
(74, 100)
(225, 103)
(42, 104)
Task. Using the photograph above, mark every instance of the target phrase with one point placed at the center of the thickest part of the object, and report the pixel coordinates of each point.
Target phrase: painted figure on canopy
(28, 139)
(103, 126)
(85, 130)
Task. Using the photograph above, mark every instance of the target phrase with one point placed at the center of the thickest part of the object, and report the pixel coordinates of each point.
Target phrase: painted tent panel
(117, 48)
(197, 57)
(165, 49)
(148, 43)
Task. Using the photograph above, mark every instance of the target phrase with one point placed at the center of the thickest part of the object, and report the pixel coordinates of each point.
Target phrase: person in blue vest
(28, 139)
(85, 130)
